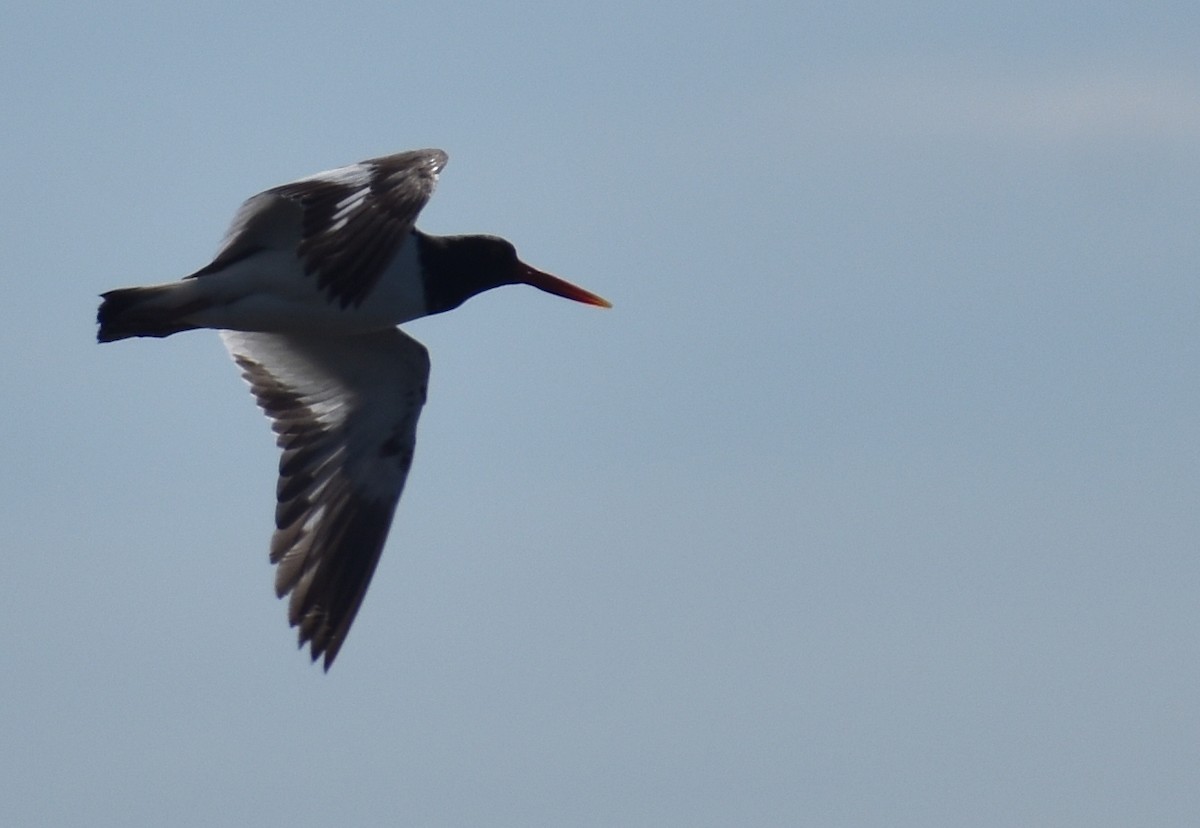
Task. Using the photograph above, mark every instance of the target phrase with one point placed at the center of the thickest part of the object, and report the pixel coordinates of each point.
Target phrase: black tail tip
(113, 305)
(127, 312)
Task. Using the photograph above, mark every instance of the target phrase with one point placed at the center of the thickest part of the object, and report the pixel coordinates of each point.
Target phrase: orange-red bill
(561, 287)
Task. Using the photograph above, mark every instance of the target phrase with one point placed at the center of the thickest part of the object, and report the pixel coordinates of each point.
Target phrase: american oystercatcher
(307, 290)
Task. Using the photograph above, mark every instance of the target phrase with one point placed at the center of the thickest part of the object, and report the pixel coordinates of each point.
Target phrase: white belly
(270, 292)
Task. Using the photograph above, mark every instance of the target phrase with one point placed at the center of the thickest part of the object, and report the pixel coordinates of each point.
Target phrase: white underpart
(270, 291)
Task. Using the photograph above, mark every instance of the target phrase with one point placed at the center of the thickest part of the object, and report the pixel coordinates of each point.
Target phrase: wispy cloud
(1064, 107)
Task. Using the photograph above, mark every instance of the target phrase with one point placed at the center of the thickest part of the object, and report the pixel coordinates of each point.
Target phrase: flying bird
(307, 289)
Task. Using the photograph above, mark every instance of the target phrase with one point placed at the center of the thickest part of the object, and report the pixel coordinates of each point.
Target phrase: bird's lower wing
(344, 409)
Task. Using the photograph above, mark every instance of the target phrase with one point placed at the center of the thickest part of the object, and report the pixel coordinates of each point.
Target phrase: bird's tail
(158, 310)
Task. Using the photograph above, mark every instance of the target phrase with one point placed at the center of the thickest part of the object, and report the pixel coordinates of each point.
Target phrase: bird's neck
(451, 270)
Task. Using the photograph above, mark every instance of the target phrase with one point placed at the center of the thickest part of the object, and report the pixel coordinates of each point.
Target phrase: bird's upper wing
(345, 411)
(345, 224)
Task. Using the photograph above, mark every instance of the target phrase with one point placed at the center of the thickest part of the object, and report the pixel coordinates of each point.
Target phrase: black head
(458, 267)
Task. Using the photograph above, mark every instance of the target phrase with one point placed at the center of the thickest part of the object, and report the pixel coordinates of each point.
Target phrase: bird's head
(461, 266)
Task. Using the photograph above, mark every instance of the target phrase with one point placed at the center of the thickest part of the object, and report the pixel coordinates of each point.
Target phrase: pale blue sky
(872, 501)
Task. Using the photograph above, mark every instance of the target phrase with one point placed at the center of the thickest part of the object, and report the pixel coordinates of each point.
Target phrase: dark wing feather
(356, 218)
(345, 411)
(345, 224)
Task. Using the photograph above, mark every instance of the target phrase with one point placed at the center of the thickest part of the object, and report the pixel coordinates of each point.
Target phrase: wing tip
(323, 648)
(430, 160)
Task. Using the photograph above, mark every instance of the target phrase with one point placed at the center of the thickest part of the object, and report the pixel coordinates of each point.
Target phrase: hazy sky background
(872, 501)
